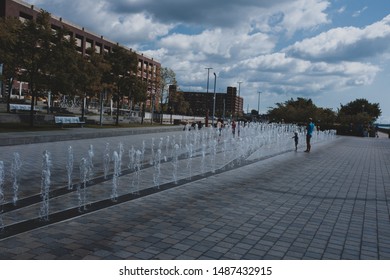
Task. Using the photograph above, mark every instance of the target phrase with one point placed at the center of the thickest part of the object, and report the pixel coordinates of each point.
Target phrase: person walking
(309, 134)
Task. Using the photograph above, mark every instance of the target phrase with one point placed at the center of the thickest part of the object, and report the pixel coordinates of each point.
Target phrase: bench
(21, 107)
(62, 120)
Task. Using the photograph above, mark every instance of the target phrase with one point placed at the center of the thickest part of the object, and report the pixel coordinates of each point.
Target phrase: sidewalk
(30, 137)
(330, 204)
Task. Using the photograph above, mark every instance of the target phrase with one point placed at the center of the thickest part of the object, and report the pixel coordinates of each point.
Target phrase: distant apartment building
(148, 68)
(227, 104)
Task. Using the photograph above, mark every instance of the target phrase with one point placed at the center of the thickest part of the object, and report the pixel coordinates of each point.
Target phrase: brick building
(148, 68)
(227, 104)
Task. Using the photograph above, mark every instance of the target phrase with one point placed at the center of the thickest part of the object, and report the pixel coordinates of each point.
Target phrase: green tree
(359, 110)
(10, 33)
(357, 116)
(138, 93)
(167, 77)
(35, 45)
(299, 111)
(183, 106)
(326, 116)
(293, 111)
(178, 103)
(64, 69)
(124, 65)
(89, 78)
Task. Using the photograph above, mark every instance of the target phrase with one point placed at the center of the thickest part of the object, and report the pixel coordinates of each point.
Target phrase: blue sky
(332, 51)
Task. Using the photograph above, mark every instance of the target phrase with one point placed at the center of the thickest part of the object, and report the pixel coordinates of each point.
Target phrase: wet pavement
(332, 203)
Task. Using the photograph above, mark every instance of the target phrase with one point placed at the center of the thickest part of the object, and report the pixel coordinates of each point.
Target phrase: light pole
(208, 77)
(258, 104)
(215, 84)
(239, 100)
(206, 103)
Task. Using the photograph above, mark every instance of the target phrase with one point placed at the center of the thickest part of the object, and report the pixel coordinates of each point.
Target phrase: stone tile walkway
(330, 204)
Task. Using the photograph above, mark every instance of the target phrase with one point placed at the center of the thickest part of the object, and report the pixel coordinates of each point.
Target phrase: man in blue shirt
(309, 133)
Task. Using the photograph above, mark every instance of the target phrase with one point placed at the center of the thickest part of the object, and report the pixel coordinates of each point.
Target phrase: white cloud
(341, 10)
(347, 43)
(139, 22)
(284, 74)
(358, 13)
(305, 14)
(225, 43)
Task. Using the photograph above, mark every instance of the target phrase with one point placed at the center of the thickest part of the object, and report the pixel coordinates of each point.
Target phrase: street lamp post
(208, 77)
(239, 100)
(207, 96)
(258, 104)
(215, 84)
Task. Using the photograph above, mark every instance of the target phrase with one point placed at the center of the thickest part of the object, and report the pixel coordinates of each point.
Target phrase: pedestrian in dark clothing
(295, 137)
(309, 134)
(234, 128)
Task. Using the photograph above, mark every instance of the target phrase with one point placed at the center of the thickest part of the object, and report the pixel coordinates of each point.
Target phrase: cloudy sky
(332, 51)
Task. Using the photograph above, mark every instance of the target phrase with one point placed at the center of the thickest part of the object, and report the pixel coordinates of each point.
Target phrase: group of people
(234, 126)
(309, 134)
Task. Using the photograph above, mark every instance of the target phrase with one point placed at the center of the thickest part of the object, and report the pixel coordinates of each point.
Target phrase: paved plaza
(332, 203)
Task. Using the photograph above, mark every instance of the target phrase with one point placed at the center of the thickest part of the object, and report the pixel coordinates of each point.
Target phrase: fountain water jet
(69, 167)
(152, 152)
(203, 161)
(120, 155)
(137, 172)
(175, 162)
(115, 177)
(190, 151)
(142, 157)
(167, 144)
(45, 186)
(90, 162)
(131, 158)
(106, 160)
(213, 155)
(157, 169)
(82, 186)
(15, 169)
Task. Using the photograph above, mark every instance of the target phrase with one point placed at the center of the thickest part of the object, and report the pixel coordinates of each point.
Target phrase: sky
(331, 51)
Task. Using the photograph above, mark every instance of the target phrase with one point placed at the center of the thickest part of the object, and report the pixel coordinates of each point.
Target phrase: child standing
(295, 137)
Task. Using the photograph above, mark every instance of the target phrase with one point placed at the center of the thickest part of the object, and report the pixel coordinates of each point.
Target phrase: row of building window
(145, 69)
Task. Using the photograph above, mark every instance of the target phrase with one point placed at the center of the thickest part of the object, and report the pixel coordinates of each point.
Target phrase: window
(79, 41)
(98, 48)
(23, 17)
(88, 44)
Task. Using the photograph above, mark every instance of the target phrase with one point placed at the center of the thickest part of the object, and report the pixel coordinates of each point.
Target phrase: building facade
(148, 68)
(227, 104)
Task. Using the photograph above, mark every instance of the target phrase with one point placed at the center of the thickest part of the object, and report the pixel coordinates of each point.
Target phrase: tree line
(351, 118)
